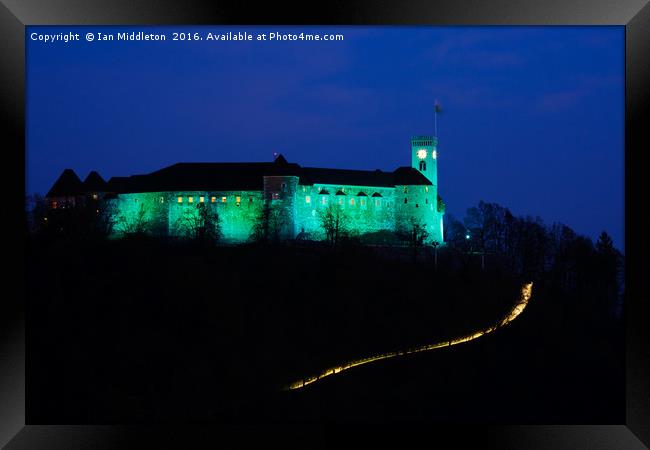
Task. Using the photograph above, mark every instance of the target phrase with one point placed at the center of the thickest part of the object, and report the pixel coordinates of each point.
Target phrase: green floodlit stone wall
(361, 214)
(369, 214)
(418, 204)
(141, 212)
(158, 213)
(161, 212)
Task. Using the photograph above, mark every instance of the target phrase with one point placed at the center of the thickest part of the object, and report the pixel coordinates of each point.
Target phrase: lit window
(406, 189)
(434, 155)
(238, 200)
(307, 199)
(180, 199)
(363, 202)
(213, 199)
(94, 196)
(223, 199)
(201, 199)
(276, 196)
(324, 200)
(426, 188)
(54, 204)
(190, 199)
(162, 199)
(340, 200)
(352, 201)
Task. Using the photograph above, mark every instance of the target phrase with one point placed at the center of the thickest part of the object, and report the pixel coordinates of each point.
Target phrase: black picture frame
(16, 15)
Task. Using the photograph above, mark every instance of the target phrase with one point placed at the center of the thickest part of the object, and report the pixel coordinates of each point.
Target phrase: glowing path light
(526, 292)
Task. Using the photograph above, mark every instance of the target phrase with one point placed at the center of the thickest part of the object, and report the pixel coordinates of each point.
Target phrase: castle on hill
(240, 193)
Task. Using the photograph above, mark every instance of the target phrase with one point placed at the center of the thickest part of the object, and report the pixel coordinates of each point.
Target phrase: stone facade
(296, 198)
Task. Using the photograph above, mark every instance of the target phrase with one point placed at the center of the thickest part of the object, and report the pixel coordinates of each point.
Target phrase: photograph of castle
(298, 199)
(325, 225)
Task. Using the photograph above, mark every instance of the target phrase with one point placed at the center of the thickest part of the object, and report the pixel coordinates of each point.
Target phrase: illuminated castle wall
(370, 201)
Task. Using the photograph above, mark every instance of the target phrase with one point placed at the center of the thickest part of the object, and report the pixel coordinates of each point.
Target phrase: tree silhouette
(269, 223)
(201, 223)
(134, 225)
(334, 222)
(415, 236)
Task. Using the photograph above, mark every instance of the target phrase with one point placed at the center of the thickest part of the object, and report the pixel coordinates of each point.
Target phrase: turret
(424, 157)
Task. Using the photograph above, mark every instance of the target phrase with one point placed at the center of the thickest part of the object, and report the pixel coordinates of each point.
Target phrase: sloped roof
(312, 175)
(68, 183)
(94, 182)
(205, 176)
(409, 176)
(280, 159)
(250, 176)
(401, 176)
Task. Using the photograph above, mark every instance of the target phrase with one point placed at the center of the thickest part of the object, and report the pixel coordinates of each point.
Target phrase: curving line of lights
(526, 293)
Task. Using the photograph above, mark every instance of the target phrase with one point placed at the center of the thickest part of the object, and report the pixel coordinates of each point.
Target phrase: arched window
(423, 165)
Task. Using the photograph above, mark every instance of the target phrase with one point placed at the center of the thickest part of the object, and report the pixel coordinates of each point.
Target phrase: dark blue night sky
(533, 117)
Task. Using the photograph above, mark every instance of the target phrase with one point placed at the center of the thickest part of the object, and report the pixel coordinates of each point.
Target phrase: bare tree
(36, 213)
(201, 223)
(136, 224)
(417, 234)
(106, 218)
(268, 224)
(334, 222)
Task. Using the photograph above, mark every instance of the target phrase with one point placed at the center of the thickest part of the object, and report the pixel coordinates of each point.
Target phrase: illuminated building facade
(295, 198)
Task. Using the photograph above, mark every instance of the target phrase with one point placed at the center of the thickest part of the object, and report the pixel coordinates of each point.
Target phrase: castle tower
(424, 157)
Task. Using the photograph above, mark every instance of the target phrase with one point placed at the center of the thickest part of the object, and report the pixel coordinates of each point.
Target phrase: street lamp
(435, 248)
